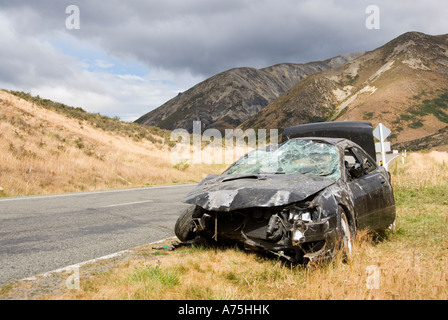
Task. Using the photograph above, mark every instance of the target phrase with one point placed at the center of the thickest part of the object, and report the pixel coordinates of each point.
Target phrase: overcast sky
(125, 58)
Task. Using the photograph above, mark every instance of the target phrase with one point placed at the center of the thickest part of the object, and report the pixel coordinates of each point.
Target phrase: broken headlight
(300, 217)
(306, 214)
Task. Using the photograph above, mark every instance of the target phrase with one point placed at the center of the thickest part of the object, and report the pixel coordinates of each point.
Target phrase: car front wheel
(184, 225)
(347, 242)
(346, 235)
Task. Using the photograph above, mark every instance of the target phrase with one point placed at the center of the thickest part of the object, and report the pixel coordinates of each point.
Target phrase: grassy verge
(409, 262)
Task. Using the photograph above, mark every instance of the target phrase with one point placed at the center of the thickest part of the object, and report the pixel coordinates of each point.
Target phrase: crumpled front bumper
(308, 240)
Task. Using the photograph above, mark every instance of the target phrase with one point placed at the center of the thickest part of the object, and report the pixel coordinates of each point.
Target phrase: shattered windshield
(295, 156)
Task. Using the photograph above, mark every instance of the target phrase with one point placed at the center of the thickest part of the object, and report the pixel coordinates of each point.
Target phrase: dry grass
(405, 272)
(424, 169)
(44, 152)
(409, 262)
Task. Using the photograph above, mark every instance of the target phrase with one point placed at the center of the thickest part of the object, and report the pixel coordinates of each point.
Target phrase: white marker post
(381, 133)
(383, 152)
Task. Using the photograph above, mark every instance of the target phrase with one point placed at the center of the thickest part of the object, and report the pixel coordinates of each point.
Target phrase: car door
(371, 190)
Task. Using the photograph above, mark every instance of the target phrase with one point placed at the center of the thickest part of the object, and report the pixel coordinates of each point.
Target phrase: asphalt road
(389, 158)
(43, 233)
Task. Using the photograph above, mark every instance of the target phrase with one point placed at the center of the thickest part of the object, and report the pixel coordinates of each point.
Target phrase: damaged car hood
(231, 192)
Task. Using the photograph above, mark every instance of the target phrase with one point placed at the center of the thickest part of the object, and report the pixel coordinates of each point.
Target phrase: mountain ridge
(402, 84)
(228, 98)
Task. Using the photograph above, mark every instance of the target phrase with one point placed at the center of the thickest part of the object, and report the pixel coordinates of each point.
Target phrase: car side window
(349, 157)
(368, 165)
(349, 162)
(357, 163)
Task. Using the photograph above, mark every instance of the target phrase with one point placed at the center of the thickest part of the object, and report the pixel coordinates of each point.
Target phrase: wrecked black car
(302, 200)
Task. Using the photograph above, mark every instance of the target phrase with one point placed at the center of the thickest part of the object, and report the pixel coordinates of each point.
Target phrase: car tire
(184, 225)
(346, 235)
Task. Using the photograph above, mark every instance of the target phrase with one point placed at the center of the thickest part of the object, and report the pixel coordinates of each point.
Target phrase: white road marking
(89, 193)
(126, 204)
(78, 265)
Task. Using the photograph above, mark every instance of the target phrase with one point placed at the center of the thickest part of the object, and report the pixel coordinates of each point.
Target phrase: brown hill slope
(45, 152)
(403, 84)
(228, 98)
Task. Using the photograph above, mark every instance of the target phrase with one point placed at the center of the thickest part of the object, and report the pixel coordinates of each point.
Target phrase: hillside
(229, 98)
(402, 84)
(59, 149)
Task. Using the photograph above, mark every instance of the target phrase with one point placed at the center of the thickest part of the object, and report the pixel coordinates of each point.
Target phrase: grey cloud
(196, 37)
(206, 37)
(27, 62)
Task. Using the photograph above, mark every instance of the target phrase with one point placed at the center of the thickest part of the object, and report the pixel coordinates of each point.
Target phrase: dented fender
(324, 227)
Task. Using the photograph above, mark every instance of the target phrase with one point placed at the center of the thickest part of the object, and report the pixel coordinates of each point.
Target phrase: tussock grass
(42, 151)
(130, 130)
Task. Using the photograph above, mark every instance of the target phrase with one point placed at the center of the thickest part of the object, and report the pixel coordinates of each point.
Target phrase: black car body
(303, 200)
